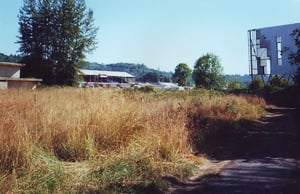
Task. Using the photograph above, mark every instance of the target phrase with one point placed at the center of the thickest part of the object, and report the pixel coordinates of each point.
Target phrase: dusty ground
(266, 160)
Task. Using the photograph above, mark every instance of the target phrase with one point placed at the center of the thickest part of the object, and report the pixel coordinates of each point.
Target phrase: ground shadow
(275, 135)
(264, 158)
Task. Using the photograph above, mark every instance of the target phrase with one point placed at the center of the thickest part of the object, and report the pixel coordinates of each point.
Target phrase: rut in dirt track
(267, 160)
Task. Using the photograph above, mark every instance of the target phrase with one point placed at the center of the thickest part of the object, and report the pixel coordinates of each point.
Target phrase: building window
(279, 50)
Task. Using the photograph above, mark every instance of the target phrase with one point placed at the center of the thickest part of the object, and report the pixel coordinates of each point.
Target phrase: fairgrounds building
(96, 78)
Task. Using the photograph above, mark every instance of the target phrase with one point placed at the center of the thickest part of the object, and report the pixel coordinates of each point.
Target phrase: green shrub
(297, 87)
(280, 82)
(147, 89)
(256, 84)
(234, 84)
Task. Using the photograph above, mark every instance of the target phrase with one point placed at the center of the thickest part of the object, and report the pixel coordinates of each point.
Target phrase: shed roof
(20, 79)
(107, 73)
(11, 64)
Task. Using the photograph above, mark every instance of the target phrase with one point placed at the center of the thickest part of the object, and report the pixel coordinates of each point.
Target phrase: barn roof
(11, 64)
(106, 73)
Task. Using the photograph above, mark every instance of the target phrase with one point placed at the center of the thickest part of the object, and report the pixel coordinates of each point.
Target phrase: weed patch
(56, 140)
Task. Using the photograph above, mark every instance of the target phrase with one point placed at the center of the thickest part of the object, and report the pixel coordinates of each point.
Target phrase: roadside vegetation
(276, 90)
(56, 140)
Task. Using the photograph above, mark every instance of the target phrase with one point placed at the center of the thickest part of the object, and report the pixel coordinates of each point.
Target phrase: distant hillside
(10, 58)
(241, 78)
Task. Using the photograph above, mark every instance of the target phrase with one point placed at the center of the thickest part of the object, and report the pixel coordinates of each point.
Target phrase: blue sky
(163, 33)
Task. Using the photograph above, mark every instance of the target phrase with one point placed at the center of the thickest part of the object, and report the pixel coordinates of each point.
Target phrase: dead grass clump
(99, 121)
(220, 117)
(15, 148)
(121, 139)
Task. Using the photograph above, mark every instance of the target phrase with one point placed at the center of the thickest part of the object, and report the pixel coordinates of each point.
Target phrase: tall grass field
(64, 140)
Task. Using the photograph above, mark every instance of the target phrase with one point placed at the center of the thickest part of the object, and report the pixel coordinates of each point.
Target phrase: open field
(91, 140)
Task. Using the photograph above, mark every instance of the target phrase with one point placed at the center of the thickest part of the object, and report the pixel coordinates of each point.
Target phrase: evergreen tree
(54, 37)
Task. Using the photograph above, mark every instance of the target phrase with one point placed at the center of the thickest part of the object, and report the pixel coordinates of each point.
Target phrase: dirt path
(266, 160)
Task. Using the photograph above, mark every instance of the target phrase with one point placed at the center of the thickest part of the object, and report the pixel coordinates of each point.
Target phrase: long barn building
(94, 78)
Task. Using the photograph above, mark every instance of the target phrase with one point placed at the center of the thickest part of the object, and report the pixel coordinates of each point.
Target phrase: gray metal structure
(269, 51)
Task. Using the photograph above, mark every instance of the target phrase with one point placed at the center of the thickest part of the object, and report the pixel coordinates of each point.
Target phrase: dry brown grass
(119, 137)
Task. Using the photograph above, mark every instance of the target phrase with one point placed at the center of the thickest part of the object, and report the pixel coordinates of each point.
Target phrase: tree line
(10, 58)
(55, 35)
(207, 73)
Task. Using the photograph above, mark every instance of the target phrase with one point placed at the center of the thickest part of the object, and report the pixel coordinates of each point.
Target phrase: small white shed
(10, 77)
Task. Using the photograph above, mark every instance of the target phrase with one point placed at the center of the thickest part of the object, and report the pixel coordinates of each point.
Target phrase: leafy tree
(278, 81)
(182, 74)
(150, 77)
(54, 37)
(208, 72)
(295, 57)
(234, 84)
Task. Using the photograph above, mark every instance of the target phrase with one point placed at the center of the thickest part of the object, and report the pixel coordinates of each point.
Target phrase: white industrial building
(269, 50)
